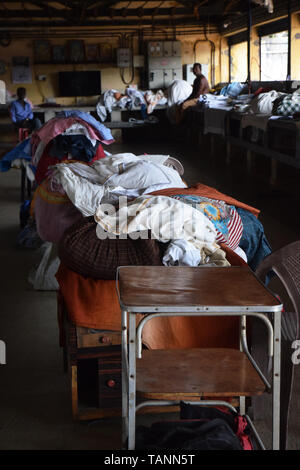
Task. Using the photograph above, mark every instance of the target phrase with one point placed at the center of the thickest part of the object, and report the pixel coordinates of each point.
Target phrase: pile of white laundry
(104, 181)
(96, 191)
(132, 98)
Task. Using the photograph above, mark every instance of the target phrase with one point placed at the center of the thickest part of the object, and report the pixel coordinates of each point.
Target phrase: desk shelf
(196, 373)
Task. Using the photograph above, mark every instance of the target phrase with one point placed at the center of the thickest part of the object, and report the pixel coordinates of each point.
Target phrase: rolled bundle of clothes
(146, 100)
(71, 136)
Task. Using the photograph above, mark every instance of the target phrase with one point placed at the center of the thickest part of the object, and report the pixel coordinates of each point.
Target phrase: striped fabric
(227, 222)
(235, 230)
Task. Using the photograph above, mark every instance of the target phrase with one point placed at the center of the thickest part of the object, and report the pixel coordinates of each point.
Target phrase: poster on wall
(59, 54)
(76, 51)
(92, 52)
(106, 52)
(21, 70)
(42, 51)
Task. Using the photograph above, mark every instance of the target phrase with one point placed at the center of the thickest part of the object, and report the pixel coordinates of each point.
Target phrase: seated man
(200, 87)
(21, 112)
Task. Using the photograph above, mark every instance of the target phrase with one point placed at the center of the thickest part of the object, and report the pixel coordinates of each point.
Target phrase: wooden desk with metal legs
(163, 377)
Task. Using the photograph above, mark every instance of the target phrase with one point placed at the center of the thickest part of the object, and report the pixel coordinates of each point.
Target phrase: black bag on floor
(197, 434)
(237, 423)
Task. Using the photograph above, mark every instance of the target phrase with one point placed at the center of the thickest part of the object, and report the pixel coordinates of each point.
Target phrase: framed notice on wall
(106, 52)
(59, 54)
(21, 70)
(42, 51)
(76, 51)
(92, 52)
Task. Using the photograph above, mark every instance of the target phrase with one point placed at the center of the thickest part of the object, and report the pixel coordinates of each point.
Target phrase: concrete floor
(35, 410)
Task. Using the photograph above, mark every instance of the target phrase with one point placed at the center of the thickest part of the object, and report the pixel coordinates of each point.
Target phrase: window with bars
(238, 62)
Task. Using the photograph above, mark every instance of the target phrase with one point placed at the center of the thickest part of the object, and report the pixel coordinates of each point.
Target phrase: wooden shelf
(196, 373)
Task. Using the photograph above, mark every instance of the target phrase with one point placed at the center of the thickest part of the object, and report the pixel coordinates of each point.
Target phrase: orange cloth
(200, 189)
(91, 303)
(94, 304)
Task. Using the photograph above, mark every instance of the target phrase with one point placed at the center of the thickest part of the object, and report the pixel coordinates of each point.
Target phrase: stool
(23, 133)
(164, 377)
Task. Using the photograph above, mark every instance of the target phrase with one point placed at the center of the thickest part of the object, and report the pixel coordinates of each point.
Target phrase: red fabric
(232, 257)
(261, 90)
(241, 427)
(46, 160)
(243, 437)
(56, 126)
(99, 153)
(23, 133)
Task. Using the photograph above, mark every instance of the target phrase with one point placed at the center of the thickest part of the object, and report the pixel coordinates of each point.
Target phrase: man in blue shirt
(21, 112)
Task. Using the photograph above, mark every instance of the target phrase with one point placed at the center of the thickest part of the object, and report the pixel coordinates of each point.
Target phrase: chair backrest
(285, 263)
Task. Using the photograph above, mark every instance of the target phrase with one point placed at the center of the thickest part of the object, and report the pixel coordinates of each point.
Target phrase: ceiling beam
(102, 3)
(44, 7)
(67, 3)
(6, 14)
(131, 12)
(110, 23)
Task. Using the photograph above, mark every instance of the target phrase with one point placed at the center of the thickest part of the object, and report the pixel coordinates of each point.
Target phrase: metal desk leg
(243, 321)
(124, 379)
(131, 381)
(276, 381)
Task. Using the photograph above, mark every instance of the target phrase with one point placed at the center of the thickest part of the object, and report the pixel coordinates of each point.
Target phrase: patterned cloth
(82, 251)
(225, 218)
(289, 105)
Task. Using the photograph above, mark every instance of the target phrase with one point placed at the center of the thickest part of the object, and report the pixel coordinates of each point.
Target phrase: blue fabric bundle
(22, 150)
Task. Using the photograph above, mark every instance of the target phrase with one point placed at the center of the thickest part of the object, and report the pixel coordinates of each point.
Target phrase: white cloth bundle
(263, 103)
(178, 91)
(167, 218)
(118, 175)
